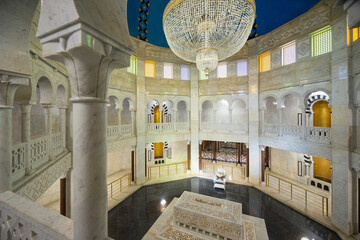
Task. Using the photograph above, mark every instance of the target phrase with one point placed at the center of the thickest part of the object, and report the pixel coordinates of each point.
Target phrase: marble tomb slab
(198, 217)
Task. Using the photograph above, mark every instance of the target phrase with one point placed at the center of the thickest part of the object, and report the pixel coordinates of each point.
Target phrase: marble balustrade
(312, 134)
(39, 152)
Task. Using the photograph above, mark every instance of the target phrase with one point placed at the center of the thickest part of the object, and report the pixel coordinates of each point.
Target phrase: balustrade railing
(318, 134)
(117, 186)
(238, 128)
(57, 144)
(166, 127)
(39, 150)
(18, 161)
(301, 195)
(312, 134)
(165, 170)
(118, 131)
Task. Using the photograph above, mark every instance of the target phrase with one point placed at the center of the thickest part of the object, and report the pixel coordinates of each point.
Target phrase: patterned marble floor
(133, 217)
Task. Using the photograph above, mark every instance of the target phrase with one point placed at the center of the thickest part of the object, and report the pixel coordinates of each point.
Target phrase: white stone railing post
(25, 135)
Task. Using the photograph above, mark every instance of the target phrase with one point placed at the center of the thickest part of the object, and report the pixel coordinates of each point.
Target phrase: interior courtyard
(103, 127)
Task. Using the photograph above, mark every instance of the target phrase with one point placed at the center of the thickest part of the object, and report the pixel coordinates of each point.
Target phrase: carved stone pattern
(249, 231)
(276, 58)
(306, 23)
(38, 185)
(231, 69)
(177, 71)
(159, 70)
(303, 48)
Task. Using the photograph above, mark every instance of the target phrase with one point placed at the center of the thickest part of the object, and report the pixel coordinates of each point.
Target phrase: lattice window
(288, 53)
(265, 62)
(222, 70)
(185, 72)
(321, 41)
(168, 70)
(133, 65)
(242, 68)
(149, 68)
(202, 75)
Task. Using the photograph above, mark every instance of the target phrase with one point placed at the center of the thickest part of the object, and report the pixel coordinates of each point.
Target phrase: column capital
(247, 145)
(26, 108)
(262, 147)
(89, 46)
(188, 142)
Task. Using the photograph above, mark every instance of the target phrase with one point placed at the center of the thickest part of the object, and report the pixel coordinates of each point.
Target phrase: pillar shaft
(5, 147)
(133, 166)
(25, 135)
(63, 124)
(262, 164)
(188, 156)
(89, 173)
(247, 163)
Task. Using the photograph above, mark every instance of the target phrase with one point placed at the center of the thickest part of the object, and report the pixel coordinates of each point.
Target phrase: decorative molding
(316, 17)
(303, 48)
(35, 187)
(276, 58)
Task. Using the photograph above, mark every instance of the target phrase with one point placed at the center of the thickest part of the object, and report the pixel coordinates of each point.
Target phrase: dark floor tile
(133, 217)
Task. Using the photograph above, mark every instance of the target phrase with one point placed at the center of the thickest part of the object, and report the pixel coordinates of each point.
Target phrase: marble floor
(134, 216)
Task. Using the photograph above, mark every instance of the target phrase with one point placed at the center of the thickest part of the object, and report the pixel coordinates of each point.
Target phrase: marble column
(140, 154)
(280, 109)
(214, 126)
(25, 135)
(132, 122)
(200, 121)
(254, 118)
(62, 111)
(342, 128)
(90, 54)
(174, 119)
(194, 123)
(200, 155)
(262, 123)
(5, 147)
(48, 124)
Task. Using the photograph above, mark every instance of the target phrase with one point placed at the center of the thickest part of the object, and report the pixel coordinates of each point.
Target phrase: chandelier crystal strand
(207, 31)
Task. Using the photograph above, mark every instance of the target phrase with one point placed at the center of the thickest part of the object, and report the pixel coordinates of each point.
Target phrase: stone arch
(207, 111)
(264, 100)
(181, 115)
(239, 112)
(222, 111)
(61, 96)
(307, 94)
(271, 114)
(112, 111)
(290, 105)
(126, 112)
(282, 98)
(46, 90)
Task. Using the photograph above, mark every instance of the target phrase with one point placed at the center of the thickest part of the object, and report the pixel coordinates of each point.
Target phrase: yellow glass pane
(149, 68)
(265, 61)
(356, 34)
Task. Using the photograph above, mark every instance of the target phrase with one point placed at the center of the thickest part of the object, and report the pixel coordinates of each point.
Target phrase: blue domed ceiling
(145, 17)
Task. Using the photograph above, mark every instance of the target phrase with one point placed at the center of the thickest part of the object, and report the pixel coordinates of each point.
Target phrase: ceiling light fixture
(207, 31)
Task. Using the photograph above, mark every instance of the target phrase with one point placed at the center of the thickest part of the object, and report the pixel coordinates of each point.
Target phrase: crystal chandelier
(207, 31)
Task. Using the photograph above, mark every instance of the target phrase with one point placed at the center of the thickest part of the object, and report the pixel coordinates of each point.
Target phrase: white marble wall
(285, 163)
